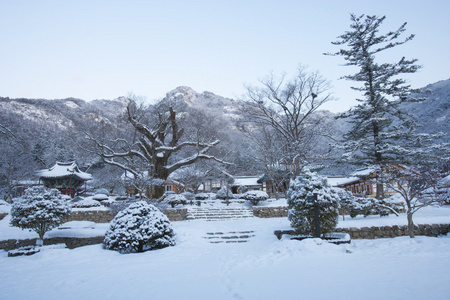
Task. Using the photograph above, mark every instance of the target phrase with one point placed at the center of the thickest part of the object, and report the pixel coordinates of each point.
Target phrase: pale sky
(106, 49)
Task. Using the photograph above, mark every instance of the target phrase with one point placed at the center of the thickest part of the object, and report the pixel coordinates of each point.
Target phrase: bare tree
(16, 164)
(417, 186)
(268, 141)
(157, 148)
(288, 107)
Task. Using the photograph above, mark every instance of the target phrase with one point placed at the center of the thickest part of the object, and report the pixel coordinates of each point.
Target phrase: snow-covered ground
(262, 268)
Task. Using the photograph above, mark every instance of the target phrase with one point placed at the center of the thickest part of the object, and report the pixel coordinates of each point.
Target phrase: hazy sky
(106, 49)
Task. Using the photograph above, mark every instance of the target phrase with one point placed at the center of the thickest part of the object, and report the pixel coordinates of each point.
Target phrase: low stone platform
(229, 237)
(218, 213)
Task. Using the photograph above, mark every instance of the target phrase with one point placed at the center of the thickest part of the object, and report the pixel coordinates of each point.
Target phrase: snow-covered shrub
(189, 196)
(138, 228)
(301, 209)
(118, 206)
(243, 188)
(175, 199)
(224, 193)
(201, 196)
(39, 210)
(121, 197)
(367, 206)
(102, 191)
(255, 196)
(85, 203)
(100, 197)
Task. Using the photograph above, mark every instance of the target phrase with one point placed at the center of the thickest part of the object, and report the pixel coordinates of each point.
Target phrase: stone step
(229, 237)
(219, 213)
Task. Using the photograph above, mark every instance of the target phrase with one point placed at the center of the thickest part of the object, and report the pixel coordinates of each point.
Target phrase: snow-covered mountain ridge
(434, 113)
(64, 114)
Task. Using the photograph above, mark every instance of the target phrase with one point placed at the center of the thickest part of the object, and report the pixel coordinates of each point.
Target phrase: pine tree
(138, 228)
(383, 133)
(301, 210)
(39, 210)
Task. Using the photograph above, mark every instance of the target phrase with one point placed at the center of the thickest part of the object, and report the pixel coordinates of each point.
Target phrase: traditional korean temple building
(362, 183)
(66, 177)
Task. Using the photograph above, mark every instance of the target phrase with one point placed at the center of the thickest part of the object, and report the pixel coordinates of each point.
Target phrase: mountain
(183, 98)
(433, 114)
(48, 123)
(60, 114)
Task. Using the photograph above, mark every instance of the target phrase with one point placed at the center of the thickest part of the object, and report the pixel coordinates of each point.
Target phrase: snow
(262, 268)
(4, 207)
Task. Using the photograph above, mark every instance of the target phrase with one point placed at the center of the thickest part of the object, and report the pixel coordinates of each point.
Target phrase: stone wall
(394, 231)
(176, 214)
(97, 216)
(70, 242)
(270, 212)
(105, 216)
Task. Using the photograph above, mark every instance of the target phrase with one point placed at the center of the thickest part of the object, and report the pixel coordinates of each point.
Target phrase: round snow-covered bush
(102, 191)
(301, 208)
(85, 203)
(201, 196)
(175, 199)
(138, 228)
(100, 197)
(255, 196)
(188, 195)
(243, 188)
(224, 193)
(355, 206)
(39, 210)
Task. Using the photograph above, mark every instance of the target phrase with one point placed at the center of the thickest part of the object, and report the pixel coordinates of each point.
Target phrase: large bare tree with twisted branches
(156, 150)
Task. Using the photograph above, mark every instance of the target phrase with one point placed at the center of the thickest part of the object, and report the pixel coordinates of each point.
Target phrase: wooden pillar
(70, 188)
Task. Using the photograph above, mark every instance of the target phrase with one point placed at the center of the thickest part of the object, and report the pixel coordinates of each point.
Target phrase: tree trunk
(40, 240)
(380, 191)
(409, 216)
(158, 191)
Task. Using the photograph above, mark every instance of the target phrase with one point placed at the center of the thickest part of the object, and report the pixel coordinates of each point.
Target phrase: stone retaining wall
(394, 231)
(270, 212)
(105, 216)
(176, 214)
(70, 242)
(97, 216)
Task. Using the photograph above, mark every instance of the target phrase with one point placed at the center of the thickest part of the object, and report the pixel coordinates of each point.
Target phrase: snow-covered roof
(246, 181)
(335, 181)
(363, 172)
(354, 177)
(64, 169)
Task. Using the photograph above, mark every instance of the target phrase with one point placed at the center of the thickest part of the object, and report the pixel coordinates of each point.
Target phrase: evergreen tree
(301, 210)
(39, 210)
(138, 228)
(383, 133)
